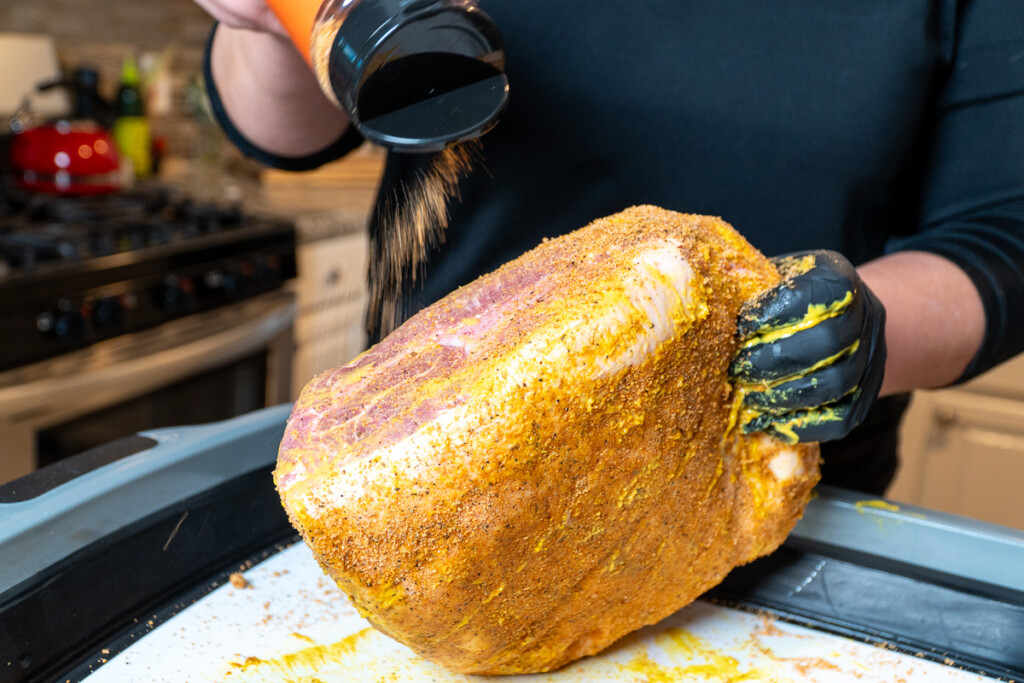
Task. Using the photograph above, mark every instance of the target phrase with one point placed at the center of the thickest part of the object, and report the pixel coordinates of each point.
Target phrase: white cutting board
(292, 624)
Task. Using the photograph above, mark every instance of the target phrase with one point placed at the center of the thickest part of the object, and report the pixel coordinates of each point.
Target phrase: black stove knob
(70, 326)
(213, 280)
(266, 270)
(232, 279)
(66, 323)
(107, 313)
(171, 296)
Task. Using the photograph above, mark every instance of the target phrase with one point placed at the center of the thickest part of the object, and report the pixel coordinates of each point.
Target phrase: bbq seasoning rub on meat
(413, 75)
(547, 459)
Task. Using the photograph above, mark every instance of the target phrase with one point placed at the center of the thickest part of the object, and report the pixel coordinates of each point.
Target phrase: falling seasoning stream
(412, 222)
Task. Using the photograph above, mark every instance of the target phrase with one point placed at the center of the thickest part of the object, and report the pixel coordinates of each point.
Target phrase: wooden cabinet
(962, 449)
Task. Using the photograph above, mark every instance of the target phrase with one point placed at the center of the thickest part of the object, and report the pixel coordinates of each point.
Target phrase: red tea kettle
(68, 156)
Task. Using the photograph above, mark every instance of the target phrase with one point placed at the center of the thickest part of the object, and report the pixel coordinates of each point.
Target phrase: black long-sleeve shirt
(863, 127)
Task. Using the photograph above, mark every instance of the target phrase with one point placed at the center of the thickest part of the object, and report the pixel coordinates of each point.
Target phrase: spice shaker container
(413, 75)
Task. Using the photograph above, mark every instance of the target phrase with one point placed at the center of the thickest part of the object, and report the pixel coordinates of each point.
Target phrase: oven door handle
(59, 397)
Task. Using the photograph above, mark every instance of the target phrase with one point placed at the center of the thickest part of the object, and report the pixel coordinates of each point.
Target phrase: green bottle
(131, 128)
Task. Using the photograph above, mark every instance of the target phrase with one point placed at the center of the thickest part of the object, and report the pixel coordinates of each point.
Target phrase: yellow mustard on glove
(813, 353)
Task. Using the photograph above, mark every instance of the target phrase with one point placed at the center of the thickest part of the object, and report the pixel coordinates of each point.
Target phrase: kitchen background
(328, 209)
(963, 449)
(102, 33)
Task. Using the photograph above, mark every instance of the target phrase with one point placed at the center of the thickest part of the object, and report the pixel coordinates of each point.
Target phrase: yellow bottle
(131, 129)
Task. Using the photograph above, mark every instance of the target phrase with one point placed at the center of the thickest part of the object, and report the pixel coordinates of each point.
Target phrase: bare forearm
(270, 93)
(935, 322)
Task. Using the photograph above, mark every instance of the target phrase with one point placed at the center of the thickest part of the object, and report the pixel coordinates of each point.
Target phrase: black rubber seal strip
(349, 140)
(55, 621)
(50, 477)
(931, 621)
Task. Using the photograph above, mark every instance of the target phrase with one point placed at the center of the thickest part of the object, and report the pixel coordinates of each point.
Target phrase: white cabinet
(962, 449)
(331, 294)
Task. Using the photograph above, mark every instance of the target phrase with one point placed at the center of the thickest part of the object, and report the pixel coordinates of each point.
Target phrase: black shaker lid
(419, 75)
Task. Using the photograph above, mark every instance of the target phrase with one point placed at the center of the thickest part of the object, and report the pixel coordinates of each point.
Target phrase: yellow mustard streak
(686, 649)
(823, 363)
(785, 431)
(495, 593)
(615, 564)
(816, 313)
(389, 595)
(298, 665)
(750, 455)
(820, 415)
(719, 470)
(876, 504)
(863, 505)
(734, 410)
(632, 490)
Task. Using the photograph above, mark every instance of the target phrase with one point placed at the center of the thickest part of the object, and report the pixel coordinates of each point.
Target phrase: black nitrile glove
(813, 352)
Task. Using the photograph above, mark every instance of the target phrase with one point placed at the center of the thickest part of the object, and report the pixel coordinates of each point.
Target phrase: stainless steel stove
(77, 270)
(135, 310)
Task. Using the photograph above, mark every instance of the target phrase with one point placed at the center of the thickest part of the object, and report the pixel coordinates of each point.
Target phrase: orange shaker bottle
(413, 75)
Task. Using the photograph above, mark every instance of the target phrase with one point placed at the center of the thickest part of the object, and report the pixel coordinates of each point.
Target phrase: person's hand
(265, 87)
(813, 351)
(251, 15)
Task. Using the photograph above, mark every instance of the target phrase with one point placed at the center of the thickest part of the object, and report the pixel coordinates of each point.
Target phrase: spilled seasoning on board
(335, 657)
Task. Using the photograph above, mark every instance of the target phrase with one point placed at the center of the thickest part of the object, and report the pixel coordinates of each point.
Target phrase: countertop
(336, 199)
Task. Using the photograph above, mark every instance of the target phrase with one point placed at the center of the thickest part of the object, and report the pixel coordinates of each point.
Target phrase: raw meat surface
(546, 459)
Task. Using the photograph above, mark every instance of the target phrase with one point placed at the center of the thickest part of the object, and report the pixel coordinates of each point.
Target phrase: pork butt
(547, 459)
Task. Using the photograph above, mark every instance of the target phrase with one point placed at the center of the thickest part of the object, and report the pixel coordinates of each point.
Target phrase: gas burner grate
(37, 229)
(150, 254)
